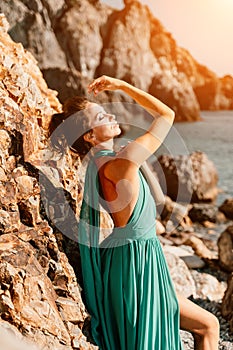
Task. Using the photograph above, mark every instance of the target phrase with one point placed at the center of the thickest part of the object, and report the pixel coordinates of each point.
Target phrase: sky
(203, 27)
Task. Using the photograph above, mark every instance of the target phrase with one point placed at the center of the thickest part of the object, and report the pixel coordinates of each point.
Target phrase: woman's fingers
(97, 85)
(103, 83)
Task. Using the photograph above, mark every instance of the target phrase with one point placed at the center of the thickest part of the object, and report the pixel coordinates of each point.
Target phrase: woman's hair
(69, 127)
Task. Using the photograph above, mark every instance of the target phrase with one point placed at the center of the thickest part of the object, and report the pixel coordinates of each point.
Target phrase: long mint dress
(127, 286)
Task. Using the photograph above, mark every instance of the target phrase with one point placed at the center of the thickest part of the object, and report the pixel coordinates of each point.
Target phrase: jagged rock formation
(39, 293)
(75, 41)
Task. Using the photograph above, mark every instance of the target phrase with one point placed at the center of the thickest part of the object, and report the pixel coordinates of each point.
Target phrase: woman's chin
(118, 129)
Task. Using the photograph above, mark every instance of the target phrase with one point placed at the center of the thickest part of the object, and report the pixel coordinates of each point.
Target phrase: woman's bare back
(120, 190)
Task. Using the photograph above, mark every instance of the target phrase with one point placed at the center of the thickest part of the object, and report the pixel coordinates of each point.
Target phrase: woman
(127, 286)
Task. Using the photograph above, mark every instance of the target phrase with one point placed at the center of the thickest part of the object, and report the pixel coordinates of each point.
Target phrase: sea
(214, 136)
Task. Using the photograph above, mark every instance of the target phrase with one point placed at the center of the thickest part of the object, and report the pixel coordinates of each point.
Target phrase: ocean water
(214, 136)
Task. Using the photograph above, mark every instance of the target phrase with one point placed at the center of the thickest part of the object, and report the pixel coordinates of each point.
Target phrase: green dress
(127, 286)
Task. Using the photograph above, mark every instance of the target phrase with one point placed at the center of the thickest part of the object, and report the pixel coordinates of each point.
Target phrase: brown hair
(75, 126)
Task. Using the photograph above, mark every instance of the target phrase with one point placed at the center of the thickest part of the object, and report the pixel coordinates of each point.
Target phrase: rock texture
(225, 248)
(201, 212)
(188, 178)
(39, 293)
(75, 41)
(227, 303)
(181, 276)
(227, 208)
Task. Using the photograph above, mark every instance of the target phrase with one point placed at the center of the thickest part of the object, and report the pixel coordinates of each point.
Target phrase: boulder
(226, 91)
(227, 303)
(79, 32)
(225, 249)
(191, 260)
(127, 53)
(181, 276)
(208, 286)
(200, 248)
(174, 89)
(175, 212)
(227, 208)
(201, 212)
(187, 178)
(30, 25)
(28, 298)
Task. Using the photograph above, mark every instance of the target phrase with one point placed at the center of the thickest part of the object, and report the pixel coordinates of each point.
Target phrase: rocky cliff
(39, 293)
(75, 41)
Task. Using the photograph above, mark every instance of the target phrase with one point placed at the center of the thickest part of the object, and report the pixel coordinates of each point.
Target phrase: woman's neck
(104, 145)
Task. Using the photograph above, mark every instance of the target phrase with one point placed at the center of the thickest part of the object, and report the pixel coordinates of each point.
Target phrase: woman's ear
(89, 137)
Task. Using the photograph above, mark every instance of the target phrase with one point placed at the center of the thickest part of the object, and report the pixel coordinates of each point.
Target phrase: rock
(191, 260)
(172, 88)
(127, 47)
(227, 303)
(77, 29)
(30, 25)
(181, 276)
(175, 212)
(26, 186)
(34, 271)
(187, 178)
(9, 221)
(227, 208)
(208, 286)
(32, 299)
(225, 249)
(69, 310)
(201, 212)
(160, 229)
(225, 93)
(199, 248)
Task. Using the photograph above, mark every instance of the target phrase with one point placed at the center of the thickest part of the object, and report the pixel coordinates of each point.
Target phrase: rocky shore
(40, 276)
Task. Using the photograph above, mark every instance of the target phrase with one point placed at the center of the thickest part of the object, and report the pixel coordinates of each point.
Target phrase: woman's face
(104, 125)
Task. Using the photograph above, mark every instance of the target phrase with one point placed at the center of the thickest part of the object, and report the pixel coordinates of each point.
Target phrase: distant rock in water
(74, 41)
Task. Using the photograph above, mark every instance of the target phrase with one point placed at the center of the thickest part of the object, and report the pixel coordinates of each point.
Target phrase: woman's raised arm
(144, 146)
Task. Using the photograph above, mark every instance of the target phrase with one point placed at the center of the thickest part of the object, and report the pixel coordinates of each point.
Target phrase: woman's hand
(104, 83)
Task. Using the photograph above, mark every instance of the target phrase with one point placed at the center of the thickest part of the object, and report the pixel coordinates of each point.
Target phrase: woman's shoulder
(117, 168)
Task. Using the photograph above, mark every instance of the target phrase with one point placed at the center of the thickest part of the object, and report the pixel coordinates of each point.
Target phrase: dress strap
(104, 152)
